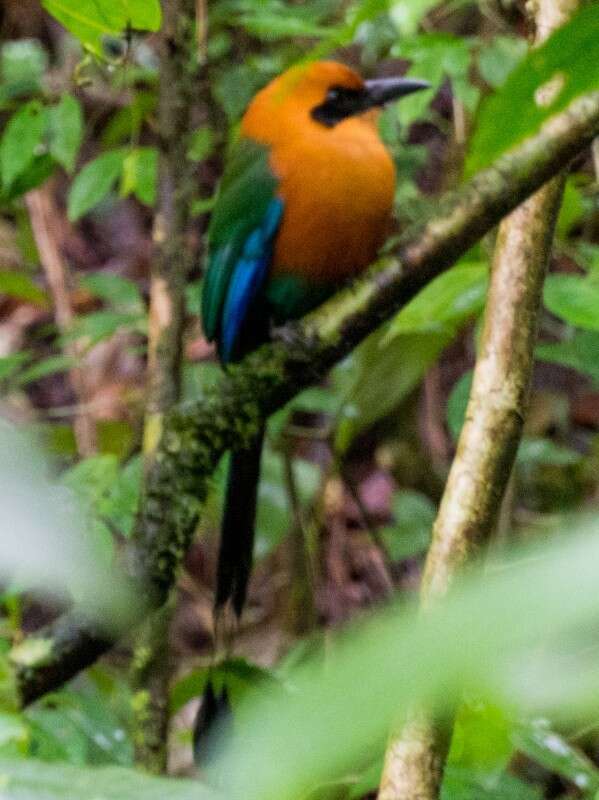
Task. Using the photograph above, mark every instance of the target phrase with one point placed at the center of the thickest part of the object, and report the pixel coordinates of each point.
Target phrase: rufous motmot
(304, 205)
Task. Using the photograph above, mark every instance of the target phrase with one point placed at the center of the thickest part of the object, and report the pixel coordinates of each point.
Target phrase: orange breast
(337, 182)
(338, 189)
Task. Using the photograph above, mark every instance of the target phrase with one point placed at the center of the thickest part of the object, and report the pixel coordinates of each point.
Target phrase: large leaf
(573, 298)
(445, 303)
(27, 779)
(92, 21)
(338, 710)
(568, 60)
(383, 375)
(578, 352)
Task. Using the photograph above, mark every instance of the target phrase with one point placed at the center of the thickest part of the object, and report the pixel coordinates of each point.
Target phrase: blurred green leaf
(481, 741)
(45, 367)
(457, 403)
(385, 372)
(27, 779)
(122, 293)
(92, 21)
(578, 352)
(237, 674)
(93, 182)
(20, 140)
(461, 784)
(66, 131)
(407, 15)
(535, 451)
(282, 747)
(36, 173)
(201, 144)
(435, 57)
(445, 303)
(140, 167)
(19, 285)
(564, 60)
(125, 124)
(100, 325)
(497, 58)
(12, 363)
(274, 516)
(410, 535)
(538, 741)
(22, 66)
(572, 209)
(574, 299)
(14, 735)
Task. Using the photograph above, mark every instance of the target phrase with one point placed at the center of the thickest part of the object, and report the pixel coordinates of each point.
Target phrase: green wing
(247, 188)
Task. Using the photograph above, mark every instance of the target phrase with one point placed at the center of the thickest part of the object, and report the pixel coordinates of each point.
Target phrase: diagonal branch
(196, 435)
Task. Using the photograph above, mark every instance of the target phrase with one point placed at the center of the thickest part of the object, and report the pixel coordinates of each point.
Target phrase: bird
(304, 205)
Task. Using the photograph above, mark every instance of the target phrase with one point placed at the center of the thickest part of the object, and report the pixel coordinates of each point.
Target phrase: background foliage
(354, 468)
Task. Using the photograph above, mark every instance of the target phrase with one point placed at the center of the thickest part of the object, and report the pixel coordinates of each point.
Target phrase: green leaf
(407, 15)
(201, 144)
(140, 168)
(46, 366)
(461, 784)
(17, 284)
(100, 325)
(237, 674)
(578, 352)
(22, 66)
(22, 136)
(66, 131)
(564, 61)
(10, 364)
(93, 21)
(120, 292)
(572, 209)
(481, 741)
(499, 57)
(385, 371)
(538, 741)
(26, 779)
(535, 451)
(457, 403)
(410, 535)
(274, 516)
(434, 57)
(445, 303)
(38, 171)
(574, 299)
(94, 182)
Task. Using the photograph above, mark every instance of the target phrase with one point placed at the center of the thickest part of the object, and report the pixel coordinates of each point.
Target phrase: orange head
(320, 95)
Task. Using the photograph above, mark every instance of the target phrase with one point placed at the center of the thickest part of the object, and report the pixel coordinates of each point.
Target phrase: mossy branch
(195, 435)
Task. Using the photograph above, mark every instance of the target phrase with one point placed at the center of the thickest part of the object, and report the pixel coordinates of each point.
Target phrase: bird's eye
(333, 95)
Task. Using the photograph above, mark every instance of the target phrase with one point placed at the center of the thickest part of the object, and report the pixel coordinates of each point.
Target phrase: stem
(489, 439)
(45, 223)
(196, 435)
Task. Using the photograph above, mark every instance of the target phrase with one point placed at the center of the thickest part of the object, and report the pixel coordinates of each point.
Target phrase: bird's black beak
(342, 102)
(383, 90)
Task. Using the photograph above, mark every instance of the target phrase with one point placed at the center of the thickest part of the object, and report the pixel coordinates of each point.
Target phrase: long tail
(237, 534)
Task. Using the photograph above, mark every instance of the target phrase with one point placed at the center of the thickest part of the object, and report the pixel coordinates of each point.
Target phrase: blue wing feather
(247, 278)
